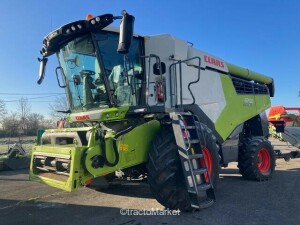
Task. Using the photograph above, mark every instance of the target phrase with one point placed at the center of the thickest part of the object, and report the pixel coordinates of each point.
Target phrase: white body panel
(207, 60)
(89, 115)
(208, 92)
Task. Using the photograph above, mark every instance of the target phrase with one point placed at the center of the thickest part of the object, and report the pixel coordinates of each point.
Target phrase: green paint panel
(239, 108)
(133, 148)
(67, 183)
(113, 113)
(248, 74)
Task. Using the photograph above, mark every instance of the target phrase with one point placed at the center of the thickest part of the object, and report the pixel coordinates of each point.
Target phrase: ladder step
(200, 171)
(203, 187)
(200, 188)
(206, 203)
(192, 141)
(188, 114)
(195, 156)
(195, 206)
(192, 192)
(188, 127)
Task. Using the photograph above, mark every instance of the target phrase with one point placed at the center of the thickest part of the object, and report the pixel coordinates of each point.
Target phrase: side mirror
(126, 33)
(43, 63)
(159, 69)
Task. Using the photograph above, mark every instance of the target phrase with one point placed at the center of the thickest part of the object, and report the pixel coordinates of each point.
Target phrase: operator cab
(94, 73)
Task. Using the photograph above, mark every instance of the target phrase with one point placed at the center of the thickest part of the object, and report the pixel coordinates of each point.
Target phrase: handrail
(179, 62)
(158, 62)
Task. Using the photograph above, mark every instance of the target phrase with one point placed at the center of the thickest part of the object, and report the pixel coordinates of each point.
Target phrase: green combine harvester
(151, 106)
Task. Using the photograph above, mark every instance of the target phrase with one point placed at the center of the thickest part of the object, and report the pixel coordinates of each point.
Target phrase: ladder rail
(200, 189)
(186, 131)
(204, 158)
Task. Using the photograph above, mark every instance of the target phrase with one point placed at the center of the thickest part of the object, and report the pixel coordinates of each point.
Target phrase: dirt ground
(239, 201)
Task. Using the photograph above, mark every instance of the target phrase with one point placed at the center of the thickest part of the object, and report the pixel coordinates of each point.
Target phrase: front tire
(165, 173)
(256, 159)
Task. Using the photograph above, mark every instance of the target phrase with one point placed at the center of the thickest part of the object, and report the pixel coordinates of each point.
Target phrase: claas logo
(84, 117)
(213, 61)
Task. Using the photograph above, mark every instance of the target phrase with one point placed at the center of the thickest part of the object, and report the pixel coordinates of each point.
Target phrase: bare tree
(48, 124)
(11, 124)
(38, 122)
(24, 109)
(60, 104)
(3, 111)
(12, 127)
(34, 123)
(3, 114)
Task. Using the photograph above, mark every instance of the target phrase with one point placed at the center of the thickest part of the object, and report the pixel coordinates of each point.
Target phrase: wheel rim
(263, 160)
(209, 164)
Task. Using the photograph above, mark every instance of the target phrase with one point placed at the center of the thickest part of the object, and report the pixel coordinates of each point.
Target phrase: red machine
(285, 125)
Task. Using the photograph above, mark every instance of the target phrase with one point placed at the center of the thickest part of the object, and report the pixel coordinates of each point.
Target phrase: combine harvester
(285, 126)
(151, 106)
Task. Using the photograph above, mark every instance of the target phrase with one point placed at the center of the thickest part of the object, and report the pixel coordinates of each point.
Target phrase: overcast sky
(262, 35)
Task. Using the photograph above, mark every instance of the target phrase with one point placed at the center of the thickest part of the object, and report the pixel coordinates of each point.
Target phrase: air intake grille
(248, 87)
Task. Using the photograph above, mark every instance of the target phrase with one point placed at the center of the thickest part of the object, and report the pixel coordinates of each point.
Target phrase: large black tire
(210, 150)
(256, 159)
(165, 174)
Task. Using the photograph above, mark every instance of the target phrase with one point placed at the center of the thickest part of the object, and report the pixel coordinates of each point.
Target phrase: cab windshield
(93, 71)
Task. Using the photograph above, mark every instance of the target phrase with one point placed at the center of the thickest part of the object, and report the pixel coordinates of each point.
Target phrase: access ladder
(198, 181)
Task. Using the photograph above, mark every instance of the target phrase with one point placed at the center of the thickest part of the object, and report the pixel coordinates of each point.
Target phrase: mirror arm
(62, 111)
(117, 17)
(43, 63)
